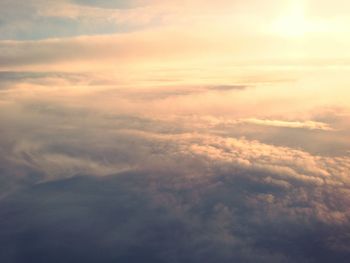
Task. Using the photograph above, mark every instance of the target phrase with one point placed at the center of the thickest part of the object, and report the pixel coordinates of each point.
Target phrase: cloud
(169, 217)
(160, 131)
(87, 183)
(157, 143)
(228, 87)
(15, 79)
(40, 19)
(116, 4)
(312, 125)
(107, 48)
(168, 92)
(60, 149)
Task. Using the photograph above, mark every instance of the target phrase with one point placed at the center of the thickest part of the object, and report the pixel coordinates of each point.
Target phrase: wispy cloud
(312, 125)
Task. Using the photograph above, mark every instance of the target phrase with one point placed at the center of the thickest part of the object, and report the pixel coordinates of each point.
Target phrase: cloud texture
(174, 131)
(90, 186)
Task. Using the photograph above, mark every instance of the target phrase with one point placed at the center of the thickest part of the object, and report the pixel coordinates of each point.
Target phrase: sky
(174, 131)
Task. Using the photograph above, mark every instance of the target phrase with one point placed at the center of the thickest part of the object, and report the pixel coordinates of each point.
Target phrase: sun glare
(293, 22)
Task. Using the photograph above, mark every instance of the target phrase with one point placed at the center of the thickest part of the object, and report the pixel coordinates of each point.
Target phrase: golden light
(293, 22)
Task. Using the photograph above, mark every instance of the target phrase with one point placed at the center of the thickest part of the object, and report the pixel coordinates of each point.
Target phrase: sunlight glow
(293, 22)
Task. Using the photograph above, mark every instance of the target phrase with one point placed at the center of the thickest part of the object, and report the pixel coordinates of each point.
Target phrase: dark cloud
(9, 79)
(15, 77)
(164, 217)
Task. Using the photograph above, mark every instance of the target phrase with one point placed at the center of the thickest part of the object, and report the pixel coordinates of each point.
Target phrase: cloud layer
(88, 185)
(174, 131)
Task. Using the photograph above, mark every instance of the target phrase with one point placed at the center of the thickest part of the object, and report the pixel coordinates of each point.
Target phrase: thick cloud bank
(88, 187)
(235, 216)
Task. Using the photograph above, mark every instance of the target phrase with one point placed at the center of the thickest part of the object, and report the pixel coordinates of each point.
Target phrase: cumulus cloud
(210, 207)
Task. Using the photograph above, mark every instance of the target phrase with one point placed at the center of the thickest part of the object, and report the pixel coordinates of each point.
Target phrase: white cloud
(312, 125)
